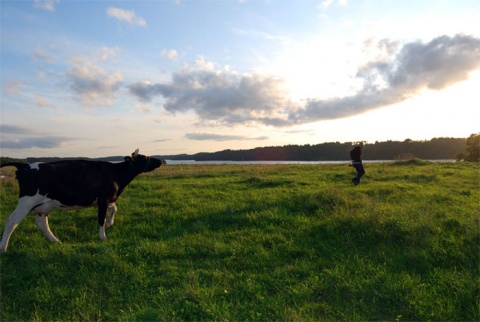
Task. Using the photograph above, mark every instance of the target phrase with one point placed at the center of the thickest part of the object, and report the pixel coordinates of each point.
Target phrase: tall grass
(258, 242)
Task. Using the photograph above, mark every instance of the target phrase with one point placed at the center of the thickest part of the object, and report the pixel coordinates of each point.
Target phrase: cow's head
(143, 163)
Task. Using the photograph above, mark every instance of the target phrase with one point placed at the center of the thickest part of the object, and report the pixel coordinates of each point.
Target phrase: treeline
(434, 149)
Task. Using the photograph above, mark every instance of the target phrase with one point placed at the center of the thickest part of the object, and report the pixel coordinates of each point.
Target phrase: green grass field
(258, 242)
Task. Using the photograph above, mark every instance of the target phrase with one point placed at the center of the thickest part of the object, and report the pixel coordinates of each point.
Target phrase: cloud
(416, 66)
(220, 96)
(398, 72)
(435, 65)
(40, 56)
(34, 142)
(21, 137)
(106, 52)
(141, 107)
(325, 4)
(43, 102)
(171, 54)
(212, 137)
(126, 16)
(219, 137)
(16, 129)
(262, 35)
(91, 83)
(12, 87)
(45, 4)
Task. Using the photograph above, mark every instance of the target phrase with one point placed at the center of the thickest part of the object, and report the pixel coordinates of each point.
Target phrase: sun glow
(316, 70)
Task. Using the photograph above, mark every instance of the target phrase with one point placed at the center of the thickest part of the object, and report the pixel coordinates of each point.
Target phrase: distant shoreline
(192, 162)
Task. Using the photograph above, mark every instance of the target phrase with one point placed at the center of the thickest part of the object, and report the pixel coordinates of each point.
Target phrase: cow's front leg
(112, 209)
(42, 221)
(102, 214)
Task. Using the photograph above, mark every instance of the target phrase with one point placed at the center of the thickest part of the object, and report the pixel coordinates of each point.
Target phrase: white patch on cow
(49, 204)
(102, 233)
(112, 209)
(41, 205)
(46, 207)
(35, 165)
(42, 222)
(25, 204)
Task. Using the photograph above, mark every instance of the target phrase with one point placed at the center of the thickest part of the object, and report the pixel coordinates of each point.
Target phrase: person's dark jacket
(356, 154)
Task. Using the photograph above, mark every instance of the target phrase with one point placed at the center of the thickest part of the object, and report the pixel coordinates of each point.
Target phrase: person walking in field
(356, 156)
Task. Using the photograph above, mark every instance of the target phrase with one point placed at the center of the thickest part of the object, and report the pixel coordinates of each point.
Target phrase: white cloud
(42, 102)
(128, 16)
(91, 83)
(41, 75)
(171, 54)
(106, 52)
(144, 108)
(45, 4)
(40, 56)
(325, 4)
(201, 63)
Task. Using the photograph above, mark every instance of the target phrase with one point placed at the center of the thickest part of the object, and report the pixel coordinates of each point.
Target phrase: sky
(102, 78)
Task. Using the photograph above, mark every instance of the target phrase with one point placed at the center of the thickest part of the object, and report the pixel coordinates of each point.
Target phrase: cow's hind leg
(112, 209)
(42, 221)
(25, 204)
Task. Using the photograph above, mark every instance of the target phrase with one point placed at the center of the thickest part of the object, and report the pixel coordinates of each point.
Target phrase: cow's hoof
(54, 240)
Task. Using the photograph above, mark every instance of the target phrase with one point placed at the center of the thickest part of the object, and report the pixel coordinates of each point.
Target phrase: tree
(472, 152)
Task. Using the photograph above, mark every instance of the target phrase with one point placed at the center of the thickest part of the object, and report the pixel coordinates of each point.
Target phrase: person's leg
(360, 173)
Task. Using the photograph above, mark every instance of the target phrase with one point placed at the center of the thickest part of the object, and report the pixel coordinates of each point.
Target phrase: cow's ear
(134, 154)
(128, 158)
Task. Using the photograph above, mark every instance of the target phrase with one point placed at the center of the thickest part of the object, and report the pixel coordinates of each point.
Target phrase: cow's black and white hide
(72, 184)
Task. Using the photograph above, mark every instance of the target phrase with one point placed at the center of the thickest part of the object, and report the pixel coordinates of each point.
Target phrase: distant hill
(434, 149)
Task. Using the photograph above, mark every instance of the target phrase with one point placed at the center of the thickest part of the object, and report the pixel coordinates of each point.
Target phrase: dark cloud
(16, 129)
(212, 137)
(218, 96)
(219, 137)
(402, 72)
(34, 142)
(92, 84)
(21, 137)
(435, 65)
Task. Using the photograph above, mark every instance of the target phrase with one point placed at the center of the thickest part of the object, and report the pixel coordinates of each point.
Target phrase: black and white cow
(72, 184)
